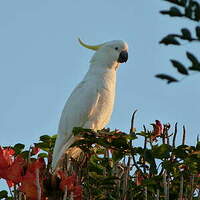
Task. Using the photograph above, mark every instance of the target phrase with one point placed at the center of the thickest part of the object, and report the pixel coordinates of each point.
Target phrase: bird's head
(109, 53)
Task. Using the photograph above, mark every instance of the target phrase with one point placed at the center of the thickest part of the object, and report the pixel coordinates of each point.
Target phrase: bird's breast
(102, 112)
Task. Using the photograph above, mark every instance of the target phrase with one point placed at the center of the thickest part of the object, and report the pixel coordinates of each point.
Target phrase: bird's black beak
(123, 57)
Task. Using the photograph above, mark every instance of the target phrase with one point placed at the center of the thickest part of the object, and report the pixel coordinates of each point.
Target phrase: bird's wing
(76, 113)
(79, 107)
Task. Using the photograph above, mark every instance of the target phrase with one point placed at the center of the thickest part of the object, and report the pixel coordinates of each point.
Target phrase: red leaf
(6, 157)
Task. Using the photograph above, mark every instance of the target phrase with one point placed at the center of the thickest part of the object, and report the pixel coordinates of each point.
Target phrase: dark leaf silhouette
(186, 35)
(169, 39)
(192, 58)
(195, 67)
(166, 77)
(195, 63)
(198, 32)
(178, 2)
(180, 67)
(173, 12)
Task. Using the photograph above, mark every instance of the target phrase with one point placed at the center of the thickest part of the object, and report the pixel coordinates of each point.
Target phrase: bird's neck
(102, 74)
(102, 69)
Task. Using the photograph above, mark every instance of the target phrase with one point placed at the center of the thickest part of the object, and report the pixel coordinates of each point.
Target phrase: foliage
(189, 9)
(110, 166)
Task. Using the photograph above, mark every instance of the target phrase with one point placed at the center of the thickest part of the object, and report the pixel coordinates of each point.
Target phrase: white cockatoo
(91, 103)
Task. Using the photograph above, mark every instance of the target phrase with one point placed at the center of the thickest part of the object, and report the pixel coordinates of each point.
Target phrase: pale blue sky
(41, 62)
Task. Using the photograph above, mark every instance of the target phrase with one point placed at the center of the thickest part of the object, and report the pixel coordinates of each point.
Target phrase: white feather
(90, 104)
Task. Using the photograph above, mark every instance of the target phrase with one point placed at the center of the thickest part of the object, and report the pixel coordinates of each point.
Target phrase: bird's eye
(116, 48)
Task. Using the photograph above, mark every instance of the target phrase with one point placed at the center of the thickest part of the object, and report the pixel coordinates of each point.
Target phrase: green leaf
(142, 133)
(117, 155)
(181, 151)
(45, 138)
(94, 165)
(198, 32)
(162, 151)
(96, 176)
(9, 198)
(169, 39)
(180, 67)
(173, 12)
(3, 194)
(25, 154)
(166, 77)
(42, 155)
(18, 148)
(148, 156)
(43, 145)
(120, 143)
(110, 180)
(139, 150)
(131, 136)
(79, 130)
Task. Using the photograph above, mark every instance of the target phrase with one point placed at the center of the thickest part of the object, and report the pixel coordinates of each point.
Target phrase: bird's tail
(61, 148)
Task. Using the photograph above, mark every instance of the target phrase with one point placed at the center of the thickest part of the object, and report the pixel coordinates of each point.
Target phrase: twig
(184, 134)
(144, 157)
(192, 187)
(65, 194)
(135, 163)
(167, 134)
(181, 188)
(145, 193)
(165, 185)
(174, 137)
(157, 194)
(38, 184)
(163, 135)
(132, 130)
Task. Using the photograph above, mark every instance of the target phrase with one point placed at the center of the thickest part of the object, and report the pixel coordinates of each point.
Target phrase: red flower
(70, 184)
(35, 150)
(6, 157)
(139, 178)
(10, 183)
(77, 192)
(31, 183)
(14, 172)
(28, 185)
(10, 168)
(157, 130)
(37, 164)
(67, 181)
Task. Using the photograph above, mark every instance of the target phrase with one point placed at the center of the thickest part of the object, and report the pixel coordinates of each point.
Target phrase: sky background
(41, 62)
